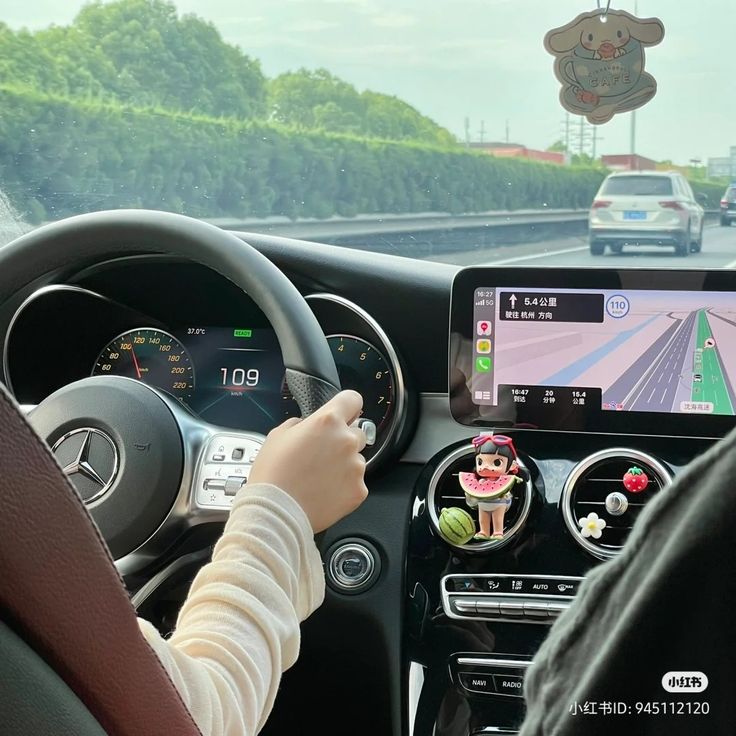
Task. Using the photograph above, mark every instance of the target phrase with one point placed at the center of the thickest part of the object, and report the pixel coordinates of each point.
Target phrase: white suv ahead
(646, 208)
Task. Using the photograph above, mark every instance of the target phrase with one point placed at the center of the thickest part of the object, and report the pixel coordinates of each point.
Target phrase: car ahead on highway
(728, 206)
(646, 208)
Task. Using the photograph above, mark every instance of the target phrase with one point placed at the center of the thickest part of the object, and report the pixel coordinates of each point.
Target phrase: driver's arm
(239, 627)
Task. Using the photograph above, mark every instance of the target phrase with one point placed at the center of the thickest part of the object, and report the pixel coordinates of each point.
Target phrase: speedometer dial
(362, 367)
(152, 356)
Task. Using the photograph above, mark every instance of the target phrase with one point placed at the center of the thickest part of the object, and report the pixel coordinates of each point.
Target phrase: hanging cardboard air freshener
(599, 60)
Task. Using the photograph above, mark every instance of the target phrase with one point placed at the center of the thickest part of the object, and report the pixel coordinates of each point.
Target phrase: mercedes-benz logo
(89, 459)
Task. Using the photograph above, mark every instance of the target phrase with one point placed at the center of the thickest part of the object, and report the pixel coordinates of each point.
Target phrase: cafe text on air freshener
(600, 59)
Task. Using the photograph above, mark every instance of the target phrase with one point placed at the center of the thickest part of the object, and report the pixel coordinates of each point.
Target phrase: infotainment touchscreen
(556, 357)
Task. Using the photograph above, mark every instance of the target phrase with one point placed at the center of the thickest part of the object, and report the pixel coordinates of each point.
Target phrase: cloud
(311, 26)
(393, 20)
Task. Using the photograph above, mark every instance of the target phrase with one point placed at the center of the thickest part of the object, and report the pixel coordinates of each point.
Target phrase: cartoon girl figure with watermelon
(490, 487)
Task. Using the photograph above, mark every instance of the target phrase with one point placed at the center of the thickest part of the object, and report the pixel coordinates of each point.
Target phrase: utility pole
(581, 147)
(632, 134)
(567, 133)
(595, 142)
(482, 131)
(507, 130)
(467, 132)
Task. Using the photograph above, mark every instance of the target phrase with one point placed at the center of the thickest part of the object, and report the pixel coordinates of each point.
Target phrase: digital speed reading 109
(233, 378)
(238, 378)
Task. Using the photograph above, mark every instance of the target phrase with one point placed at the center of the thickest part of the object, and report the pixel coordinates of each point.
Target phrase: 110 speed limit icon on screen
(617, 306)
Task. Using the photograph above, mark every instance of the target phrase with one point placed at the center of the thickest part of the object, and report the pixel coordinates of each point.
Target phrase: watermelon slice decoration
(487, 489)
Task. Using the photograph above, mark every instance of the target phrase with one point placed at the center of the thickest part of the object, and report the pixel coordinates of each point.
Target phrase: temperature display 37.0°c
(152, 356)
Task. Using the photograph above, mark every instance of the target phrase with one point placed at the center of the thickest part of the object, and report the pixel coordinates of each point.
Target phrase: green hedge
(60, 157)
(712, 191)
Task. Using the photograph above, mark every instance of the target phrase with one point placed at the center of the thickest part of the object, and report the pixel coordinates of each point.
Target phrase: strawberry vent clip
(635, 480)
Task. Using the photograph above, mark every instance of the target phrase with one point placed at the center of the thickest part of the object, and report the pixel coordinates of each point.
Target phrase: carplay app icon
(483, 365)
(484, 327)
(483, 346)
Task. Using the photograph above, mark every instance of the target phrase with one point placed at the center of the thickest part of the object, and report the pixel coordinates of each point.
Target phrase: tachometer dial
(362, 367)
(152, 356)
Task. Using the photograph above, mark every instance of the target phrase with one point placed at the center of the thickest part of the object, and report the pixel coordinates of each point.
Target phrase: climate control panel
(533, 599)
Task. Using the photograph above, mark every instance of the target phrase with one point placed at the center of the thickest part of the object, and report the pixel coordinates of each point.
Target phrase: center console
(591, 390)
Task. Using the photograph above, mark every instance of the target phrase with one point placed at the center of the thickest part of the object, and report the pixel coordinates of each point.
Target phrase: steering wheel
(145, 466)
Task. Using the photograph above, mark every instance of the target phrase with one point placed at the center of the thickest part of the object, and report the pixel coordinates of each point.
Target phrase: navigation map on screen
(648, 351)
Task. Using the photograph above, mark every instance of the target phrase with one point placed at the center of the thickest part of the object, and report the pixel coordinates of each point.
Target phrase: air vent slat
(594, 480)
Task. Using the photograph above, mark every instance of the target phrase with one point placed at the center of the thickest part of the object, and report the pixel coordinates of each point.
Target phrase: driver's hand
(317, 461)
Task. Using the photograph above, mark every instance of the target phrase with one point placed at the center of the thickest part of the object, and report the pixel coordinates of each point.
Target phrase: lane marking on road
(648, 376)
(533, 256)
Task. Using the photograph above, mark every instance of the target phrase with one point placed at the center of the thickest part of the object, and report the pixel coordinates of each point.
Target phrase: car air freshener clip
(600, 59)
(489, 488)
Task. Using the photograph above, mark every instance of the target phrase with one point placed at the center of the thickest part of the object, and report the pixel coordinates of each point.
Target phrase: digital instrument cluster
(219, 356)
(230, 375)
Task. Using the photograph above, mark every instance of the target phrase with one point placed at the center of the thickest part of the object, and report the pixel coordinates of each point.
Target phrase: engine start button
(352, 566)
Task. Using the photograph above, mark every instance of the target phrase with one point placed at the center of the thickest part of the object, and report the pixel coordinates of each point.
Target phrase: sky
(482, 60)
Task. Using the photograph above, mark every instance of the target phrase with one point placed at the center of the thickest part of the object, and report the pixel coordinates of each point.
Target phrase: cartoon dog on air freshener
(489, 488)
(600, 62)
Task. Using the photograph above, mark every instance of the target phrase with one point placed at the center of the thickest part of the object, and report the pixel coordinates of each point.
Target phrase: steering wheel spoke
(216, 465)
(222, 469)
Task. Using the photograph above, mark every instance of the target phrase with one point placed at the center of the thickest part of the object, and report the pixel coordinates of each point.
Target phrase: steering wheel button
(214, 484)
(218, 458)
(233, 484)
(238, 454)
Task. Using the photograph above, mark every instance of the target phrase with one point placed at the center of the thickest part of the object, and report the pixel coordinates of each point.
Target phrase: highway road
(670, 374)
(719, 251)
(651, 382)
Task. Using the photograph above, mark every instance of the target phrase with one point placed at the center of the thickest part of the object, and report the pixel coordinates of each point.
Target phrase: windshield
(428, 130)
(640, 186)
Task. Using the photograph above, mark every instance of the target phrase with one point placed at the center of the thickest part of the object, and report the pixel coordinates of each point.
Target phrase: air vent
(596, 486)
(444, 492)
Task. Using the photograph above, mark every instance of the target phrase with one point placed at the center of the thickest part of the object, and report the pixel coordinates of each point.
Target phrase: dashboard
(435, 636)
(193, 335)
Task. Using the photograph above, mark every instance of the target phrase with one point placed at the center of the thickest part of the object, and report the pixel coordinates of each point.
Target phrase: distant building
(516, 150)
(628, 162)
(723, 166)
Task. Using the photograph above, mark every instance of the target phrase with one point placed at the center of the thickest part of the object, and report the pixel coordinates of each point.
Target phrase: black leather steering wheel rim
(310, 369)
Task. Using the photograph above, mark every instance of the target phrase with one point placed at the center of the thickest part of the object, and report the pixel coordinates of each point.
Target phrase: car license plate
(634, 215)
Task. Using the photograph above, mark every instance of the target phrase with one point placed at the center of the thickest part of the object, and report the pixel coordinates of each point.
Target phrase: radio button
(509, 685)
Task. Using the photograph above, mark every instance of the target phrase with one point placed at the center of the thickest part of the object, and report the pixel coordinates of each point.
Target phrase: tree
(317, 99)
(139, 52)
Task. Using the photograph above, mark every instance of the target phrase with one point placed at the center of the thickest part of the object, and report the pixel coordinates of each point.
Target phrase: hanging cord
(605, 12)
